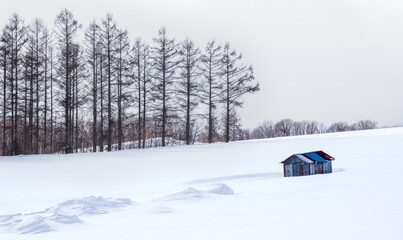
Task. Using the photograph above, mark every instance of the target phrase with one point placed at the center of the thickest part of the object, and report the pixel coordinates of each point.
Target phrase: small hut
(309, 163)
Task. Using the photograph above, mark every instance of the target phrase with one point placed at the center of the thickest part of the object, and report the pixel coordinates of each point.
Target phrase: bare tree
(312, 127)
(238, 80)
(188, 85)
(101, 96)
(164, 55)
(5, 51)
(109, 34)
(299, 128)
(122, 69)
(138, 65)
(283, 127)
(211, 86)
(46, 43)
(37, 51)
(339, 127)
(92, 56)
(51, 100)
(14, 39)
(264, 130)
(66, 31)
(146, 84)
(366, 124)
(29, 95)
(79, 95)
(142, 67)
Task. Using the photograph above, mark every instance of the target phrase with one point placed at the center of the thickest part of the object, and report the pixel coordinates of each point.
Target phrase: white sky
(321, 60)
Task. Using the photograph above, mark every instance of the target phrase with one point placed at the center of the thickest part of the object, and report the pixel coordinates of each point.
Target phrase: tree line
(288, 127)
(61, 94)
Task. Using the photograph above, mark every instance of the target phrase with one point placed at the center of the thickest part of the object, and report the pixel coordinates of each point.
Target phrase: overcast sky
(321, 60)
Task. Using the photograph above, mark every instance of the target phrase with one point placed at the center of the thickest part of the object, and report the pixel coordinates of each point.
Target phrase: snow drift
(67, 212)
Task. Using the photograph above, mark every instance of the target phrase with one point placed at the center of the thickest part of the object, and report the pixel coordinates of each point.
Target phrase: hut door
(295, 169)
(301, 170)
(320, 168)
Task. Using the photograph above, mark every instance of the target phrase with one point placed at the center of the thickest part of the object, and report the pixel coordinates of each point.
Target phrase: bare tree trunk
(31, 107)
(45, 120)
(139, 94)
(101, 125)
(164, 109)
(12, 150)
(109, 99)
(227, 112)
(67, 146)
(94, 101)
(4, 100)
(120, 134)
(144, 95)
(120, 85)
(37, 93)
(51, 102)
(210, 109)
(16, 147)
(72, 106)
(187, 133)
(76, 103)
(25, 134)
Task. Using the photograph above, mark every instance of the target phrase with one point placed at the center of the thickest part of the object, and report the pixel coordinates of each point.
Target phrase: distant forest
(104, 92)
(288, 127)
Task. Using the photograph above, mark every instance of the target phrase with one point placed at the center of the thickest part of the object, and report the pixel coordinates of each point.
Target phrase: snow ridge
(193, 193)
(68, 212)
(71, 211)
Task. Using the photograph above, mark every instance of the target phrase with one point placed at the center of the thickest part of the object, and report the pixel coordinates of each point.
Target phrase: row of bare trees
(60, 94)
(288, 127)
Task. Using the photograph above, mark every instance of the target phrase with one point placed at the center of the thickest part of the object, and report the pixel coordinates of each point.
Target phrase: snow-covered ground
(220, 191)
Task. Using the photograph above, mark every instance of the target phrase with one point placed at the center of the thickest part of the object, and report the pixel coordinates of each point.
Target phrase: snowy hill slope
(219, 191)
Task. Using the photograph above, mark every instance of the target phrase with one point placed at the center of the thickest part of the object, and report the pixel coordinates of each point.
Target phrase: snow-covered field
(220, 191)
